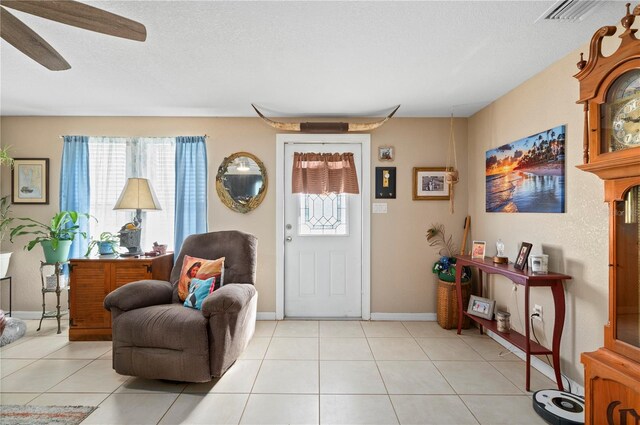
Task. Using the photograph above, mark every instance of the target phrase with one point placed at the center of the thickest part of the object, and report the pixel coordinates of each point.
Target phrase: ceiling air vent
(570, 10)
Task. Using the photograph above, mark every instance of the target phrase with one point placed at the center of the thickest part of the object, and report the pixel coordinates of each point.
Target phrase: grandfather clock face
(620, 114)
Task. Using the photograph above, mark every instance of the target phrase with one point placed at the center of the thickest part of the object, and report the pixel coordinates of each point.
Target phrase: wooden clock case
(612, 373)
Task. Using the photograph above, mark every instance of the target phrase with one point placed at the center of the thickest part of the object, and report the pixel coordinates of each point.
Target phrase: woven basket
(448, 304)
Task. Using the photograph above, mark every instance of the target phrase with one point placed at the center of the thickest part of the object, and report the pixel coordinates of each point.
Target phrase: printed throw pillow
(199, 290)
(193, 267)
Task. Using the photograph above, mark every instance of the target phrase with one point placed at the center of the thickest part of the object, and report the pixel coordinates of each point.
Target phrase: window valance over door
(321, 173)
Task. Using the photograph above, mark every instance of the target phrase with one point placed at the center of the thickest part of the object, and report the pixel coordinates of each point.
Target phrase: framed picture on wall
(537, 164)
(385, 153)
(30, 181)
(430, 184)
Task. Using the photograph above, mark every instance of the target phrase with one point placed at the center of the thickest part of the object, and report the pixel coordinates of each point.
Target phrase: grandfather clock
(610, 93)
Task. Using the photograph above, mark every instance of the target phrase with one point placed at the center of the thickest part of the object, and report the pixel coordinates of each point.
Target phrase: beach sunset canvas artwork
(527, 175)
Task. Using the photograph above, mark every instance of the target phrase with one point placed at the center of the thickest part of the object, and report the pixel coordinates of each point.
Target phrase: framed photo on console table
(30, 181)
(478, 249)
(523, 255)
(481, 307)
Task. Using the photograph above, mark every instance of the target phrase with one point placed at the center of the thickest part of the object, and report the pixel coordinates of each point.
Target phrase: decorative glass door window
(323, 215)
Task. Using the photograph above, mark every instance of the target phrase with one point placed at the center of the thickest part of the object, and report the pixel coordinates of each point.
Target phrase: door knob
(289, 239)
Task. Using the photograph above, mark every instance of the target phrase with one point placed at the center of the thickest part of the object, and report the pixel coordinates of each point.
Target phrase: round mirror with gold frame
(241, 182)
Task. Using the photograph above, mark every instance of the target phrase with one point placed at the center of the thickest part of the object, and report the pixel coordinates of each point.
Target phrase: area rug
(43, 415)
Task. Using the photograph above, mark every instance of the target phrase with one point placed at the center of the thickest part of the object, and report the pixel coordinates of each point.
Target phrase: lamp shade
(137, 194)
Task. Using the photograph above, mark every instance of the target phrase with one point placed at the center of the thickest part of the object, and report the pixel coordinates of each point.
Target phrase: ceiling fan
(69, 12)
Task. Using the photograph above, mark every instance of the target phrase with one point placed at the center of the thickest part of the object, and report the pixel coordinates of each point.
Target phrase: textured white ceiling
(205, 58)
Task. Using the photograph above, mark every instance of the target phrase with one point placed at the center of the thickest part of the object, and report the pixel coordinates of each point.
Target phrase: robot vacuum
(559, 407)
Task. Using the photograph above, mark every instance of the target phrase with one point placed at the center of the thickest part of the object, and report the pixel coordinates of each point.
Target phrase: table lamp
(137, 195)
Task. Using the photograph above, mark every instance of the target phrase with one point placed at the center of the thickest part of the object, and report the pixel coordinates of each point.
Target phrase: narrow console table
(527, 279)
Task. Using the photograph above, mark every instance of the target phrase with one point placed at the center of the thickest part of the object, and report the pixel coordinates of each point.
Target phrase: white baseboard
(271, 315)
(35, 315)
(537, 364)
(266, 315)
(407, 317)
(29, 315)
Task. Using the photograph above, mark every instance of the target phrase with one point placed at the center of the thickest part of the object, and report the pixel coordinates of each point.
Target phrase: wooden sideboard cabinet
(93, 278)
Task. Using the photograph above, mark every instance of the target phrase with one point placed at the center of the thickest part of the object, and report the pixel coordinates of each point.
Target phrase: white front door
(323, 244)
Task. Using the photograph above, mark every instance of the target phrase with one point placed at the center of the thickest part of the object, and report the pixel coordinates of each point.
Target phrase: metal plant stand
(58, 273)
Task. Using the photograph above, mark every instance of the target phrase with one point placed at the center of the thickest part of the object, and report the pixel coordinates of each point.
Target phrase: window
(111, 161)
(323, 215)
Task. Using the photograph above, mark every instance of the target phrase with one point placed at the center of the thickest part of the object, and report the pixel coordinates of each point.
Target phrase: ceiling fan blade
(28, 42)
(82, 16)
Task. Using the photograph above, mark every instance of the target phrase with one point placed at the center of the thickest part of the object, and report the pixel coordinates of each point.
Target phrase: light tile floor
(298, 372)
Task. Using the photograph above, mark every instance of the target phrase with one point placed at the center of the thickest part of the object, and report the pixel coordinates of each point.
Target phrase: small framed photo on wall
(523, 255)
(477, 249)
(30, 181)
(430, 184)
(385, 153)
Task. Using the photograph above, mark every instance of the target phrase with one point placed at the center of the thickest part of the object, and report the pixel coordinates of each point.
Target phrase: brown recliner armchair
(155, 336)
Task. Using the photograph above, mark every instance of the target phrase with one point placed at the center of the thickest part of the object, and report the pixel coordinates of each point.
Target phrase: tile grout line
(446, 380)
(382, 379)
(107, 397)
(510, 380)
(469, 409)
(28, 364)
(246, 403)
(416, 341)
(168, 408)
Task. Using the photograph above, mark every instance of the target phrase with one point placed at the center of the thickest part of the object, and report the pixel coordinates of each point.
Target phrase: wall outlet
(537, 309)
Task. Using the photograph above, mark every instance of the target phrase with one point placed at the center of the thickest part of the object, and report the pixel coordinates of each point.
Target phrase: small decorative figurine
(500, 257)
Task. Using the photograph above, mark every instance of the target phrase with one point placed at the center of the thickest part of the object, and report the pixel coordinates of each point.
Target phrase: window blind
(111, 161)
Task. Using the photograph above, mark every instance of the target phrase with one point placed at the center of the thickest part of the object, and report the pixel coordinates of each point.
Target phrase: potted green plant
(55, 237)
(5, 210)
(445, 267)
(106, 243)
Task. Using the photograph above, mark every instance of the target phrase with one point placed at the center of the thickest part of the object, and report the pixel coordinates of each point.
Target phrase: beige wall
(576, 241)
(401, 259)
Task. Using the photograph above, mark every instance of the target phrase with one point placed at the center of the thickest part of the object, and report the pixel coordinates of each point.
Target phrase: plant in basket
(445, 267)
